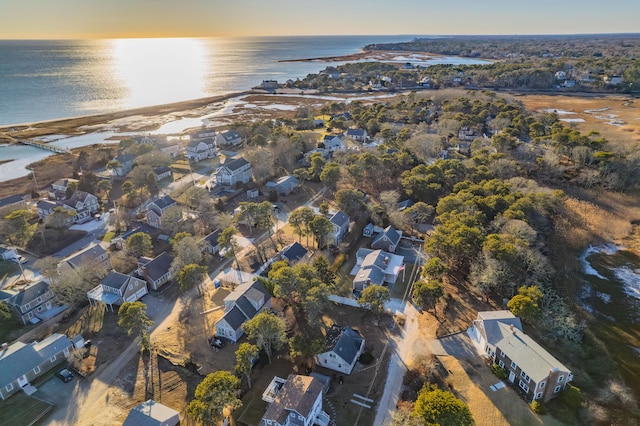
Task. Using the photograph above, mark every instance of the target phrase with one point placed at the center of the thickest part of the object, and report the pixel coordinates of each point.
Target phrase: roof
(159, 266)
(356, 132)
(344, 342)
(299, 393)
(340, 219)
(489, 324)
(235, 164)
(89, 255)
(212, 238)
(161, 170)
(19, 357)
(164, 202)
(152, 413)
(125, 158)
(234, 317)
(47, 205)
(230, 135)
(30, 293)
(405, 204)
(532, 358)
(115, 280)
(389, 233)
(294, 252)
(11, 199)
(64, 182)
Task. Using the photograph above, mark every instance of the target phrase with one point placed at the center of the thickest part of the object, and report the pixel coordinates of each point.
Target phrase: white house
(499, 336)
(157, 208)
(201, 149)
(152, 413)
(210, 243)
(357, 135)
(343, 346)
(230, 137)
(58, 189)
(233, 171)
(376, 267)
(242, 304)
(125, 162)
(162, 172)
(340, 223)
(334, 143)
(296, 401)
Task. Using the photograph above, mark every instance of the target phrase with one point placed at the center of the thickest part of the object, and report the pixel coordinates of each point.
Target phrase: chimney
(513, 329)
(5, 346)
(386, 261)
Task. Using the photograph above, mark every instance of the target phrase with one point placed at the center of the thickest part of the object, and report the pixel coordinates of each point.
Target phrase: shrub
(338, 262)
(366, 358)
(571, 397)
(537, 408)
(499, 371)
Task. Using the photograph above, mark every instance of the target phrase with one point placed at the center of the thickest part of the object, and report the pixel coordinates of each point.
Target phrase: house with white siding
(343, 347)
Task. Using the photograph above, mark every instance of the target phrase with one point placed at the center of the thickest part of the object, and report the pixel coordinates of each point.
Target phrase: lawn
(21, 409)
(55, 241)
(7, 268)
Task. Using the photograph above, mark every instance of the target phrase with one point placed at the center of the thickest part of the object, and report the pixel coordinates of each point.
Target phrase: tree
(324, 272)
(104, 186)
(16, 228)
(317, 164)
(300, 219)
(302, 347)
(525, 304)
(427, 293)
(440, 407)
(190, 276)
(48, 268)
(215, 398)
(374, 297)
(186, 252)
(139, 244)
(350, 200)
(320, 227)
(228, 243)
(132, 316)
(73, 283)
(330, 175)
(245, 355)
(129, 189)
(152, 184)
(60, 218)
(267, 330)
(5, 311)
(419, 213)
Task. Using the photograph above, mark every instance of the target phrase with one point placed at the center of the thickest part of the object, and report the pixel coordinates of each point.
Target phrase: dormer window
(560, 379)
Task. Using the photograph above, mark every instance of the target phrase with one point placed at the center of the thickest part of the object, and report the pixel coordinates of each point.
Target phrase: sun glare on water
(157, 71)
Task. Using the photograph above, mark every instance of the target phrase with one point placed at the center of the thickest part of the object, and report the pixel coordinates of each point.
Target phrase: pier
(42, 145)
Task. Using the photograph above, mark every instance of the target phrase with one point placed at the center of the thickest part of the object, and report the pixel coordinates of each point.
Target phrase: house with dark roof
(46, 208)
(233, 171)
(405, 204)
(81, 204)
(210, 243)
(376, 267)
(157, 208)
(156, 272)
(58, 189)
(12, 201)
(7, 253)
(93, 257)
(171, 147)
(117, 288)
(499, 336)
(295, 401)
(343, 346)
(293, 253)
(334, 143)
(387, 240)
(340, 223)
(200, 149)
(162, 172)
(283, 185)
(33, 302)
(21, 363)
(152, 413)
(357, 135)
(245, 302)
(230, 137)
(125, 162)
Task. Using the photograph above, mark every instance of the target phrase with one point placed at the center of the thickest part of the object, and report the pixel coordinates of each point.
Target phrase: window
(514, 365)
(539, 395)
(542, 385)
(560, 379)
(9, 387)
(130, 286)
(53, 359)
(501, 364)
(524, 376)
(523, 386)
(325, 360)
(39, 309)
(39, 299)
(556, 389)
(37, 369)
(27, 306)
(502, 354)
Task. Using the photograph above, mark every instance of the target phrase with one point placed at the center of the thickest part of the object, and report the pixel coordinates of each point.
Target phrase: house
(296, 401)
(22, 363)
(561, 75)
(343, 346)
(33, 302)
(499, 335)
(467, 134)
(464, 148)
(283, 185)
(46, 208)
(58, 189)
(210, 243)
(152, 413)
(117, 288)
(200, 149)
(171, 147)
(357, 135)
(293, 253)
(125, 162)
(269, 84)
(340, 222)
(84, 203)
(120, 241)
(162, 172)
(202, 133)
(156, 271)
(234, 278)
(404, 205)
(242, 304)
(230, 137)
(157, 208)
(613, 80)
(387, 240)
(233, 171)
(569, 83)
(12, 201)
(7, 253)
(334, 143)
(93, 257)
(323, 152)
(375, 267)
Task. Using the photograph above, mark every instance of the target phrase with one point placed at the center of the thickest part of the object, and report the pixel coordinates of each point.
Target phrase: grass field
(21, 409)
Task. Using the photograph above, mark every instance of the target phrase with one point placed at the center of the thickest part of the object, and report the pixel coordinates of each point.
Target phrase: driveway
(457, 345)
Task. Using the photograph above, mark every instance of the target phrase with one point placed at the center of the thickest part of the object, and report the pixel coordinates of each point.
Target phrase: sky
(80, 19)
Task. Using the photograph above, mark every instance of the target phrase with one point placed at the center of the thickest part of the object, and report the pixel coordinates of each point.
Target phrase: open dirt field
(616, 117)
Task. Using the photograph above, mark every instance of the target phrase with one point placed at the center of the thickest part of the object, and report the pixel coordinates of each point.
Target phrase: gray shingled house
(32, 303)
(242, 304)
(295, 401)
(156, 271)
(343, 348)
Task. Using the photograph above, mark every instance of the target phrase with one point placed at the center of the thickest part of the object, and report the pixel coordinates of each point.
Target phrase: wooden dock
(46, 146)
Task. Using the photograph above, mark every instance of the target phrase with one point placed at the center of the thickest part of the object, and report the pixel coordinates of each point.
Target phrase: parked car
(18, 259)
(217, 342)
(65, 375)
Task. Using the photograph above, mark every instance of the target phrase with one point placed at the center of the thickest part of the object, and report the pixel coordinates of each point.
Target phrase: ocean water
(44, 80)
